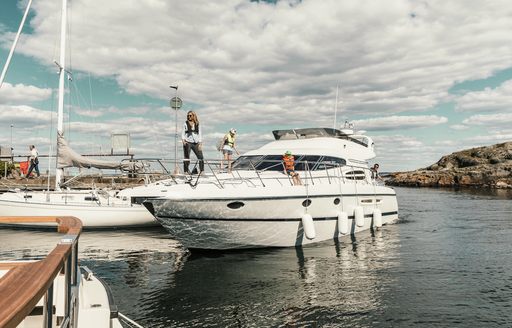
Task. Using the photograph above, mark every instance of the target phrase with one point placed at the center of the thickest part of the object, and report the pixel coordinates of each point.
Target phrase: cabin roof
(307, 133)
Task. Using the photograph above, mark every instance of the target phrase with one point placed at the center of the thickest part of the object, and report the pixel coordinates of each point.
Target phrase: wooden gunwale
(25, 284)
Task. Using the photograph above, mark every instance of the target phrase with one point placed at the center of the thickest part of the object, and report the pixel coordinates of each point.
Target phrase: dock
(42, 183)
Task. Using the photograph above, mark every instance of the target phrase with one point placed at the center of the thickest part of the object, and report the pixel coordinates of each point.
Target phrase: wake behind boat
(258, 205)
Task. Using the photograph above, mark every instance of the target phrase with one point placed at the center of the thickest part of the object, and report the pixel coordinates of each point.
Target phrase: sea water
(447, 262)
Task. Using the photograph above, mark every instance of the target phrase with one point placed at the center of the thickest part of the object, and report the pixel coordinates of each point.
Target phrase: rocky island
(487, 167)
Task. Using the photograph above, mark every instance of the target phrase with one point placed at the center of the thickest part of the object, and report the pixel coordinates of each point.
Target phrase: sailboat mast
(60, 113)
(11, 52)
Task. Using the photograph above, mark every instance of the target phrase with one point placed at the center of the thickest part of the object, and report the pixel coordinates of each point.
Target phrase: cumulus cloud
(459, 127)
(25, 116)
(502, 136)
(399, 122)
(386, 57)
(488, 100)
(22, 94)
(89, 112)
(489, 120)
(240, 62)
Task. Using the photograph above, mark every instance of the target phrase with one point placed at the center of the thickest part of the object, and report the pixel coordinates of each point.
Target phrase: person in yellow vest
(229, 148)
(289, 168)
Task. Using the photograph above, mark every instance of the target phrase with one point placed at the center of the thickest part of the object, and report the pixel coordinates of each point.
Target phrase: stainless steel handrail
(332, 172)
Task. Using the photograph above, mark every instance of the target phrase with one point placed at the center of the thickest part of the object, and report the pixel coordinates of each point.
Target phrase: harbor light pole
(12, 153)
(176, 105)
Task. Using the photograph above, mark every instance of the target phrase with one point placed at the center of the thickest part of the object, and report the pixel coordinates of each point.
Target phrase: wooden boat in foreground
(55, 291)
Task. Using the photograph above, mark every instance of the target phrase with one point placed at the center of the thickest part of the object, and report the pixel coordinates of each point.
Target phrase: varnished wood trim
(24, 285)
(11, 265)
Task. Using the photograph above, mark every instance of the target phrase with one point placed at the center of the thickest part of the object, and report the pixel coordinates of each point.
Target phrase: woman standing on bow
(191, 138)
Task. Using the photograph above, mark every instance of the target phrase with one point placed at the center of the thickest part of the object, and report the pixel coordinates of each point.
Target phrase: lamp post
(12, 149)
(176, 105)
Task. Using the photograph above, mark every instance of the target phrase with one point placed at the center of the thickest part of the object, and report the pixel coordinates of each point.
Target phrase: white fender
(343, 226)
(308, 226)
(359, 216)
(377, 218)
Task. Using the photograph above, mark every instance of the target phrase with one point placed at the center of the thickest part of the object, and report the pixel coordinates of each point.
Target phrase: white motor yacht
(259, 205)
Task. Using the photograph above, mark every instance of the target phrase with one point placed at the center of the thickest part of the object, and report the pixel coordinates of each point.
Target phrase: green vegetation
(4, 166)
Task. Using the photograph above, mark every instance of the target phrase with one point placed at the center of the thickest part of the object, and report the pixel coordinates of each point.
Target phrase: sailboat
(95, 208)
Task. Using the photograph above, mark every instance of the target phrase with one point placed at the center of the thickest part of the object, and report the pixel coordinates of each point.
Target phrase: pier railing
(26, 283)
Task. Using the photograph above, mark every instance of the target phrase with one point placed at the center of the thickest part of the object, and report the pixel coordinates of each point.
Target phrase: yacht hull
(209, 223)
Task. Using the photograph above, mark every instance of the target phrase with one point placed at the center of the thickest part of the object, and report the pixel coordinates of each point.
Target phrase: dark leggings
(186, 151)
(32, 167)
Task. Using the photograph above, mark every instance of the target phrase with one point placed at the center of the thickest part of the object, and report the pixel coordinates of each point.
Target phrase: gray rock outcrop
(488, 167)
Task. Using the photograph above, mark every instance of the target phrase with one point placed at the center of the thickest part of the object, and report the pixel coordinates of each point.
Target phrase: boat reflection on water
(158, 283)
(342, 281)
(129, 252)
(327, 283)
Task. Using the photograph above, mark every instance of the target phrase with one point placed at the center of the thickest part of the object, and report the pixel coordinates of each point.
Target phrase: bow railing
(26, 283)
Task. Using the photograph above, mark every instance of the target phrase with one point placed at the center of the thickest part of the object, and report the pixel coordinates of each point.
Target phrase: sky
(422, 78)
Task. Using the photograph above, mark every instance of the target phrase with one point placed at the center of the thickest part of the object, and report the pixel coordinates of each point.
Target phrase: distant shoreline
(487, 167)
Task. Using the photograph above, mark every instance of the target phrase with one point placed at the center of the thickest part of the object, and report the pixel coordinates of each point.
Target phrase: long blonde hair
(194, 117)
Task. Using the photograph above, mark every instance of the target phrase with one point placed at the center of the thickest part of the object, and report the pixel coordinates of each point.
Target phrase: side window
(244, 162)
(355, 175)
(330, 162)
(271, 163)
(309, 160)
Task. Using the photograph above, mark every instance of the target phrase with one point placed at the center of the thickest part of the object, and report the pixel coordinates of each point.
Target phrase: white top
(192, 137)
(33, 153)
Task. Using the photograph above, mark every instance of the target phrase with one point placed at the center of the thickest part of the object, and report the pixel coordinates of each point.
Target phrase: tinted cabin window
(329, 162)
(275, 162)
(244, 162)
(355, 175)
(300, 162)
(271, 163)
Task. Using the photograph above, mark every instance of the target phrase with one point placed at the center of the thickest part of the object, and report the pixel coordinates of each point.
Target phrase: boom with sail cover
(70, 158)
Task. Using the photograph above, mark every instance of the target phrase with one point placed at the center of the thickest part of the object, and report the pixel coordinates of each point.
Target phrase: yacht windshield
(247, 162)
(305, 133)
(275, 162)
(271, 163)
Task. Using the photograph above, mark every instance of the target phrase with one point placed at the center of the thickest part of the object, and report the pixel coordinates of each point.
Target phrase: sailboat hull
(94, 214)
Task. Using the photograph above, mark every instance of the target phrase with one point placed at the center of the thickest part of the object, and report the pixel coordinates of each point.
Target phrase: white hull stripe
(269, 220)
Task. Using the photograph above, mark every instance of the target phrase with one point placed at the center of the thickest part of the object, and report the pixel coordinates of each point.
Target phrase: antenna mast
(335, 108)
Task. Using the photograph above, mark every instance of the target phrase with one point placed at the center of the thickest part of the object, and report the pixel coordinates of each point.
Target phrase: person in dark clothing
(192, 140)
(34, 161)
(375, 172)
